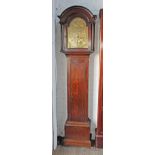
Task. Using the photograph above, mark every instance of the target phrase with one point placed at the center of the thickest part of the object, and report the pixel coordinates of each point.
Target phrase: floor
(61, 150)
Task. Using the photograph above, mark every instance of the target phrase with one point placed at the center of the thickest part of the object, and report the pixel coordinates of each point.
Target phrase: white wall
(61, 96)
(25, 77)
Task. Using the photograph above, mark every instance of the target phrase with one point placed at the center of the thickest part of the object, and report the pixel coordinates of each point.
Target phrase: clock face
(77, 34)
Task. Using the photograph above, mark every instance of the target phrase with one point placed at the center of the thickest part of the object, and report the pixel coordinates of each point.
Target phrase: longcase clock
(77, 43)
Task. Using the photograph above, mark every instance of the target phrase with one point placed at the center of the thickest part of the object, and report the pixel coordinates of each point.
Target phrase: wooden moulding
(77, 134)
(99, 130)
(98, 140)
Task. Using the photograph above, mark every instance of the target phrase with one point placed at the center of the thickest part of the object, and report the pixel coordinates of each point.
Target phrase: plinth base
(77, 134)
(98, 140)
(73, 142)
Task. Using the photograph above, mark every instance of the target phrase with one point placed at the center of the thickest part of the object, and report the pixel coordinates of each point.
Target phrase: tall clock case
(77, 43)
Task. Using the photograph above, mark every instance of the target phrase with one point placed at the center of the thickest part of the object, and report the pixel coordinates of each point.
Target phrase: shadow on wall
(61, 90)
(93, 82)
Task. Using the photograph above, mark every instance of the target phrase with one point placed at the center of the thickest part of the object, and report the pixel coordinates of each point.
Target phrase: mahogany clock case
(77, 43)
